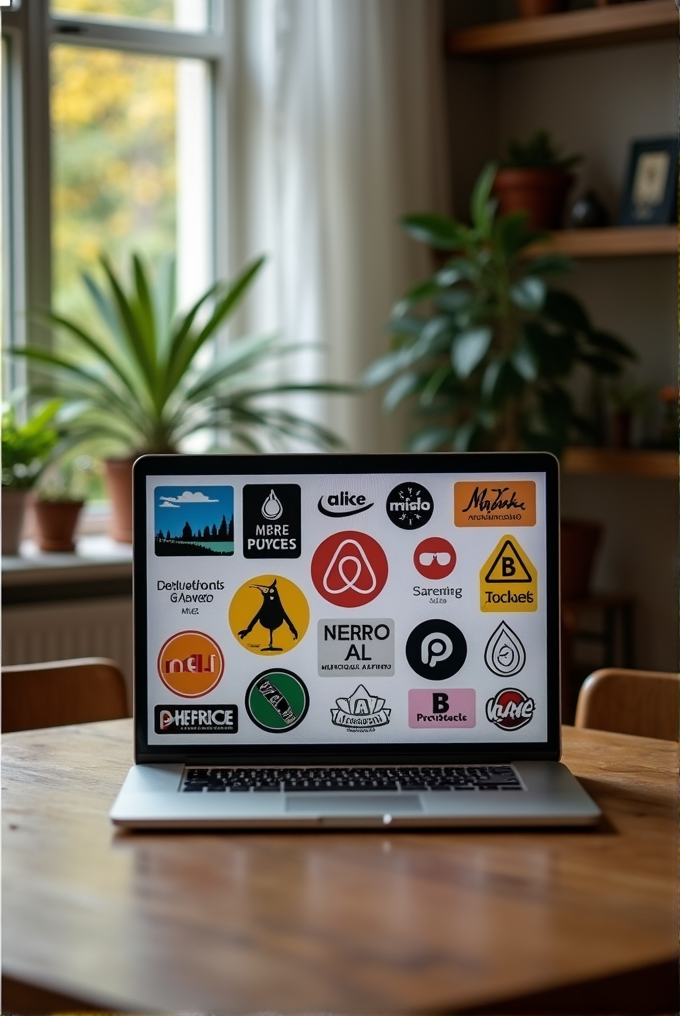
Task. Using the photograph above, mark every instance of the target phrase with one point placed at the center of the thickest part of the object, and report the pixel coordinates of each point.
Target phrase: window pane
(130, 149)
(191, 15)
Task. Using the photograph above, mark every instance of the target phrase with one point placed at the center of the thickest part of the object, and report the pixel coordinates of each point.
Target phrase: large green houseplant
(484, 349)
(26, 450)
(138, 383)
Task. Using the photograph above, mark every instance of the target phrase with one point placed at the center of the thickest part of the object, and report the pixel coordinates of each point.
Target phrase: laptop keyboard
(421, 778)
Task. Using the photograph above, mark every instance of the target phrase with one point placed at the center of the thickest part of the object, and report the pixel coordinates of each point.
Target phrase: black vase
(588, 212)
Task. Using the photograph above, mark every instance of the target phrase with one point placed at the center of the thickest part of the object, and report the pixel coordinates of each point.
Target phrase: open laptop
(347, 640)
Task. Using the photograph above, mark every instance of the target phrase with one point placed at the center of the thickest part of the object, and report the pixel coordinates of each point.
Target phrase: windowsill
(98, 565)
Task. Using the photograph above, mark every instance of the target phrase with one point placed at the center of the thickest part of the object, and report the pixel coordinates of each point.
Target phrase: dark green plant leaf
(407, 325)
(602, 364)
(385, 368)
(469, 349)
(566, 311)
(429, 439)
(554, 352)
(482, 205)
(610, 344)
(549, 264)
(400, 389)
(415, 295)
(435, 230)
(528, 293)
(524, 361)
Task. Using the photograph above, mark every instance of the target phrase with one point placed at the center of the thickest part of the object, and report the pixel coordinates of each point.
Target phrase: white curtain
(336, 128)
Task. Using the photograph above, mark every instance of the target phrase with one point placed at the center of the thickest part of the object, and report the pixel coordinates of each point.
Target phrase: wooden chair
(60, 692)
(641, 702)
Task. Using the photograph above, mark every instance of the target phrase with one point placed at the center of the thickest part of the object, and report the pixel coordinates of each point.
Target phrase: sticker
(194, 521)
(269, 614)
(349, 569)
(510, 709)
(508, 579)
(409, 505)
(343, 504)
(277, 701)
(211, 719)
(504, 654)
(190, 664)
(495, 503)
(436, 649)
(434, 558)
(360, 711)
(446, 708)
(346, 647)
(271, 520)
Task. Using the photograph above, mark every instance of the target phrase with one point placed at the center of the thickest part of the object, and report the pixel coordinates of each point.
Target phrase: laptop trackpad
(353, 804)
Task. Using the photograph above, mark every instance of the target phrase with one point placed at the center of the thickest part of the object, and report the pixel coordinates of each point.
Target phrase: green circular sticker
(277, 700)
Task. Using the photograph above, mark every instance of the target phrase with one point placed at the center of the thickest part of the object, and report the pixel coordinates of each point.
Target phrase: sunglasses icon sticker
(434, 558)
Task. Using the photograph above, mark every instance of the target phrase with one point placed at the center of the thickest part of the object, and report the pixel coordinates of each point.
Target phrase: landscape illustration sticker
(190, 664)
(194, 521)
(269, 614)
(508, 580)
(277, 701)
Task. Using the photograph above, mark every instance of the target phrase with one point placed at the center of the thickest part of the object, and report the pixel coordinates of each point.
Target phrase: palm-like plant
(484, 348)
(138, 382)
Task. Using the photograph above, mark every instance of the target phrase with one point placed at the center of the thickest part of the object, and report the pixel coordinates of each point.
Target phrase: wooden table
(498, 922)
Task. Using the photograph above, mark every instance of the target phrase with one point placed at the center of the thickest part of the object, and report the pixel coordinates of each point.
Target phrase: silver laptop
(347, 640)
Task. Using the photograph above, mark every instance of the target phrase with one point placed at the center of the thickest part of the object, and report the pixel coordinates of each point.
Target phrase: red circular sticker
(349, 569)
(434, 558)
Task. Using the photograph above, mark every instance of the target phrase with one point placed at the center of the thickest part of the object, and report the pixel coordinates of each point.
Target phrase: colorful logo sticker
(434, 558)
(495, 503)
(504, 654)
(271, 520)
(190, 664)
(269, 614)
(277, 701)
(343, 504)
(211, 719)
(409, 505)
(194, 521)
(360, 711)
(436, 649)
(366, 645)
(444, 709)
(510, 709)
(508, 580)
(349, 569)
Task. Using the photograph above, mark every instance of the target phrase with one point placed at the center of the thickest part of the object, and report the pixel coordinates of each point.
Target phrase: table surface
(369, 922)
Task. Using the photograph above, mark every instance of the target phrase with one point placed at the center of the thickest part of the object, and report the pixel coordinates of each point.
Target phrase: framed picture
(650, 195)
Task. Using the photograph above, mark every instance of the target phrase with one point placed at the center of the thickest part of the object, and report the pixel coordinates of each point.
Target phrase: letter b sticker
(508, 580)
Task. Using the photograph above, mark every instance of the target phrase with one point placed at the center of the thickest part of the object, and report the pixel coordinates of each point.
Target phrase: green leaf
(512, 234)
(465, 435)
(610, 344)
(384, 368)
(404, 386)
(435, 230)
(524, 361)
(469, 349)
(482, 205)
(529, 293)
(554, 352)
(549, 264)
(429, 439)
(566, 311)
(407, 325)
(433, 385)
(418, 293)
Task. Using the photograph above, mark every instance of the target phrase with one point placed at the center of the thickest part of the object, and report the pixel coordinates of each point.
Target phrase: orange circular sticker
(269, 615)
(190, 664)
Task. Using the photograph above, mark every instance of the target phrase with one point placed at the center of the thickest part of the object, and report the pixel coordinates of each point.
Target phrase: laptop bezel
(383, 754)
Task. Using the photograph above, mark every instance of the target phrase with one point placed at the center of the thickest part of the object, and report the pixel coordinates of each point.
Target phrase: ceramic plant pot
(540, 192)
(579, 543)
(56, 523)
(119, 484)
(13, 514)
(537, 8)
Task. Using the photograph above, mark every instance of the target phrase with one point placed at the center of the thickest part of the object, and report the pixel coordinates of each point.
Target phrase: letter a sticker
(508, 580)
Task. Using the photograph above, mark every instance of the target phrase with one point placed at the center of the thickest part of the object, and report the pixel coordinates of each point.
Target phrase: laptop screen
(345, 602)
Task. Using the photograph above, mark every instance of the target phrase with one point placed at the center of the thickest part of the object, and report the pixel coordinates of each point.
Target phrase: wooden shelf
(655, 465)
(616, 241)
(600, 26)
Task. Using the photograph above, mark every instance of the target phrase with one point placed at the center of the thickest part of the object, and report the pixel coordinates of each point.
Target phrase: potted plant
(60, 497)
(533, 177)
(139, 384)
(627, 399)
(485, 348)
(26, 449)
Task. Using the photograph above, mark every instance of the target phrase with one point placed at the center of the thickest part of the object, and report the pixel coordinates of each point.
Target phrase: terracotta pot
(537, 8)
(56, 524)
(13, 514)
(579, 543)
(540, 192)
(119, 483)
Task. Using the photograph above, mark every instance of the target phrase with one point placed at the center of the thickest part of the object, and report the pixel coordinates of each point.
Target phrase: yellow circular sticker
(269, 614)
(190, 664)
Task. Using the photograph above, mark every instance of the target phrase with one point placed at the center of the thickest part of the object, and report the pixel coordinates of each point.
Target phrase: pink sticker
(441, 708)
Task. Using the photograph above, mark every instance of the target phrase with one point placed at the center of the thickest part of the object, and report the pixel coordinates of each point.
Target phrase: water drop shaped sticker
(272, 509)
(504, 654)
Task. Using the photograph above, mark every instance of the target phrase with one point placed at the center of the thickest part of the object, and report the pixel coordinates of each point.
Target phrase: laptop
(359, 641)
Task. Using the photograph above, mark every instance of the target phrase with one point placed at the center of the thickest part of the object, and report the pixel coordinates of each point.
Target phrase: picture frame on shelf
(649, 198)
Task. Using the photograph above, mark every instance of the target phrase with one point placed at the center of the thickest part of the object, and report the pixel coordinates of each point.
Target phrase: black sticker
(436, 649)
(208, 719)
(271, 520)
(409, 505)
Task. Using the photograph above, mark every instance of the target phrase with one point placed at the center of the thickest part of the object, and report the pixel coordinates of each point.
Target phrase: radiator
(33, 633)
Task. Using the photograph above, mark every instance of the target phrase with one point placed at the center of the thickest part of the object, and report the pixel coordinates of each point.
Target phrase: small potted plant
(26, 450)
(139, 384)
(60, 498)
(534, 178)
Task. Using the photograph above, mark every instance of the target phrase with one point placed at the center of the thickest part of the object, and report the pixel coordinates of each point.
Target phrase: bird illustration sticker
(269, 614)
(277, 701)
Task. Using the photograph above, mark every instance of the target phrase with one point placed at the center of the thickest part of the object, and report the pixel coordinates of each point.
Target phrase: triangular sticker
(508, 566)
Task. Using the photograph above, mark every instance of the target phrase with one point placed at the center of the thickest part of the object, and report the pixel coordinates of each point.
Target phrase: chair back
(60, 692)
(641, 702)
